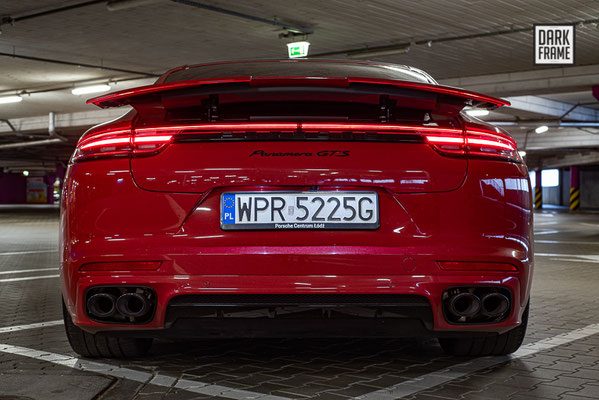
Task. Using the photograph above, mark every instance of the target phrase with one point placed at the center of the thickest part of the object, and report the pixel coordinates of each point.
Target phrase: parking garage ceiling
(48, 47)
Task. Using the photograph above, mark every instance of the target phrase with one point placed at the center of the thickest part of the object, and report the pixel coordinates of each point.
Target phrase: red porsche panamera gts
(296, 198)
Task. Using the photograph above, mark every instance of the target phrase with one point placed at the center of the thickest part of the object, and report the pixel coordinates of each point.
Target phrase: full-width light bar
(223, 127)
(375, 127)
(308, 126)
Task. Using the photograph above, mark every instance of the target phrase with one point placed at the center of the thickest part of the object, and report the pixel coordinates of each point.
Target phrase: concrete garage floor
(560, 358)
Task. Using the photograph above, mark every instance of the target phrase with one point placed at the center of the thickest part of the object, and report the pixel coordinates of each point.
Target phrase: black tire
(491, 345)
(105, 346)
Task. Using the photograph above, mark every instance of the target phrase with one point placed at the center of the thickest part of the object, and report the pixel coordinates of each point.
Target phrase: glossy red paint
(455, 195)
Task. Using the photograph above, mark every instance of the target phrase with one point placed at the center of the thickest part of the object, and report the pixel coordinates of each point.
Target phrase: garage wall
(565, 185)
(589, 188)
(553, 195)
(12, 188)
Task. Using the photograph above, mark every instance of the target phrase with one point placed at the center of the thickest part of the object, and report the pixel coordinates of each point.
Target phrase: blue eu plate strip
(228, 207)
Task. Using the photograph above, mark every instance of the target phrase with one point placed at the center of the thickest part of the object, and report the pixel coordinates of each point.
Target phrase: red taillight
(448, 144)
(491, 144)
(475, 266)
(476, 143)
(118, 143)
(109, 143)
(144, 144)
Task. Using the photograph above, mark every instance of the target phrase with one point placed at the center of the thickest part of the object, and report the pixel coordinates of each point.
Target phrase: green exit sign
(298, 49)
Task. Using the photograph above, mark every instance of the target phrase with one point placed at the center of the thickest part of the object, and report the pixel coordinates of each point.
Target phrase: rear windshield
(318, 68)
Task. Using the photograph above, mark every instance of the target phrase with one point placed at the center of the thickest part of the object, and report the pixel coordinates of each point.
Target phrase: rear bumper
(488, 219)
(424, 319)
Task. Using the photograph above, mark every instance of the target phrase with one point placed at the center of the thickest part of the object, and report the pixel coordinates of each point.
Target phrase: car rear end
(301, 197)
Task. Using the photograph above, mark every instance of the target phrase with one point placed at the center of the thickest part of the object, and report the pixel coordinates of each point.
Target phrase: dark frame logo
(554, 44)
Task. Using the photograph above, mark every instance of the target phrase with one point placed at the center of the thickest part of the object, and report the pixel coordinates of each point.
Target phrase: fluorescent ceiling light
(522, 153)
(542, 129)
(10, 99)
(90, 89)
(477, 112)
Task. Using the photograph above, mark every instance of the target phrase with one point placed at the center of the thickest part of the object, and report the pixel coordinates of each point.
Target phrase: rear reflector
(122, 266)
(475, 266)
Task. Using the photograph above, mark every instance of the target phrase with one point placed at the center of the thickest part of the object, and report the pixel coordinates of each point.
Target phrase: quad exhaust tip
(494, 304)
(102, 305)
(476, 304)
(121, 304)
(464, 305)
(133, 305)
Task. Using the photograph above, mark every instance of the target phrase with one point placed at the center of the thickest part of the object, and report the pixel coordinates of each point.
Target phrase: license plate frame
(372, 224)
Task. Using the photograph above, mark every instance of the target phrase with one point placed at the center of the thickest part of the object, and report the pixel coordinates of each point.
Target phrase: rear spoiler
(130, 96)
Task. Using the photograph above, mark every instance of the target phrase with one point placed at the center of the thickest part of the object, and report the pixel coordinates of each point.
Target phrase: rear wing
(137, 95)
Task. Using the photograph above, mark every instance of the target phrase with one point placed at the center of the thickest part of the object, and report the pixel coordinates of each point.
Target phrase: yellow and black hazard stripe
(538, 198)
(574, 199)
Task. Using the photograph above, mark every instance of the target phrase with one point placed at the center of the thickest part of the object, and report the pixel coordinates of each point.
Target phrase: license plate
(299, 210)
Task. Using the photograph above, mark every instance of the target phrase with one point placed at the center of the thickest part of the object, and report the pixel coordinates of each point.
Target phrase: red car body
(141, 206)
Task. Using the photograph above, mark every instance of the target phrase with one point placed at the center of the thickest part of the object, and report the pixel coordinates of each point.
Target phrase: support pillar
(538, 190)
(574, 188)
(60, 173)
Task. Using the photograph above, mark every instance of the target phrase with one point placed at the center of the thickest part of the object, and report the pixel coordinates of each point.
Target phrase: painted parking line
(441, 377)
(14, 253)
(24, 271)
(400, 390)
(546, 232)
(137, 376)
(28, 278)
(578, 260)
(565, 242)
(589, 258)
(17, 328)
